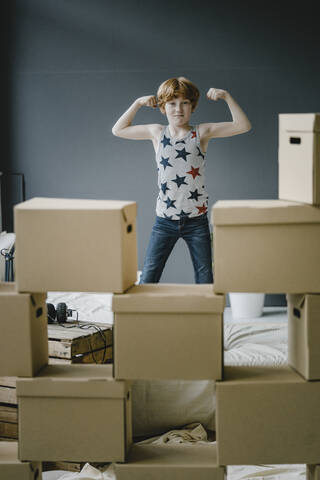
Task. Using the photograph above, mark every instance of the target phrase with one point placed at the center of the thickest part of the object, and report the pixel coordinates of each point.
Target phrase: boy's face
(178, 110)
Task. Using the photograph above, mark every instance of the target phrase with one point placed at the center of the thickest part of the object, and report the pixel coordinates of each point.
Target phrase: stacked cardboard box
(272, 246)
(177, 331)
(169, 331)
(66, 412)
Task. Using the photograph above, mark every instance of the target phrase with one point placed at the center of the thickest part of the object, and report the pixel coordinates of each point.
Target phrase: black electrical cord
(86, 326)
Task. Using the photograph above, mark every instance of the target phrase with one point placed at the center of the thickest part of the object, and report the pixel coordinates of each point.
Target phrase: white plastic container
(246, 305)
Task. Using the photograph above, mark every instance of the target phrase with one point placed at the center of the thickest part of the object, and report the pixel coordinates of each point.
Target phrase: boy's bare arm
(240, 122)
(123, 127)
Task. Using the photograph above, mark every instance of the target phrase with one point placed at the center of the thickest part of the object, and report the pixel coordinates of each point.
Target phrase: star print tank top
(181, 176)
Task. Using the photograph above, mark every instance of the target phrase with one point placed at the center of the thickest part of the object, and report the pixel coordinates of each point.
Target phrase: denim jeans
(164, 235)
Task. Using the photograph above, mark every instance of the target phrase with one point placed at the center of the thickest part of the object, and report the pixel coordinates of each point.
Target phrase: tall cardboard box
(179, 462)
(267, 415)
(11, 468)
(23, 332)
(268, 246)
(304, 334)
(75, 245)
(299, 157)
(168, 331)
(313, 472)
(74, 413)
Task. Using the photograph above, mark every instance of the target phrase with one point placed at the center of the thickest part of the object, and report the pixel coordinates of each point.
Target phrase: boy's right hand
(148, 101)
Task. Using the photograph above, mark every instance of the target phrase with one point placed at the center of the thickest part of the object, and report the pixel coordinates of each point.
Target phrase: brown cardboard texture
(168, 331)
(171, 462)
(313, 472)
(267, 415)
(12, 469)
(304, 335)
(75, 245)
(74, 413)
(299, 157)
(268, 246)
(24, 334)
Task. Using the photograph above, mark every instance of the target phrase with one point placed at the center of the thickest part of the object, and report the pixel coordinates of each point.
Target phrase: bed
(161, 406)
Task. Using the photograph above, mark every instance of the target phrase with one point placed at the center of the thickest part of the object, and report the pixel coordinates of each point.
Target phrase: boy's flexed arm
(239, 124)
(123, 127)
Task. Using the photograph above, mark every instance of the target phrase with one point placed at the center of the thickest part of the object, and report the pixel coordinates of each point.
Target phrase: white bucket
(246, 305)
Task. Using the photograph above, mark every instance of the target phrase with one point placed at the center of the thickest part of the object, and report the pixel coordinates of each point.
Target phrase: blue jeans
(164, 235)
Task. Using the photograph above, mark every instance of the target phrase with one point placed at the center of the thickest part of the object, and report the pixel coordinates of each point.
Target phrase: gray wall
(78, 64)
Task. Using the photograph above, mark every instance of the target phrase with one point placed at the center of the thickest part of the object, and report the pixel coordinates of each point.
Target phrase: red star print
(202, 209)
(194, 172)
(194, 134)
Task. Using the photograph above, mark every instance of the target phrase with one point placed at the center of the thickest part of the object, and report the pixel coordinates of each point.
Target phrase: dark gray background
(76, 65)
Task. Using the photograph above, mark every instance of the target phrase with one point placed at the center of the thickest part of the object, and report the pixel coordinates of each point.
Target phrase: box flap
(169, 297)
(129, 213)
(46, 203)
(84, 381)
(299, 122)
(162, 456)
(263, 212)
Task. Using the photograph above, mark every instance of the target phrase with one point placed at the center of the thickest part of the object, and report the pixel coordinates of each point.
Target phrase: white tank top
(181, 176)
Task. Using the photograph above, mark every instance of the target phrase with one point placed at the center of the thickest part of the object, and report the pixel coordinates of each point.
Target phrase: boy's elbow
(115, 132)
(247, 128)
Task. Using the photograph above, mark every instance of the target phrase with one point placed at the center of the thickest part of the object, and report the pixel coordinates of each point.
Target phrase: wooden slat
(4, 439)
(68, 342)
(8, 381)
(9, 430)
(8, 414)
(8, 395)
(99, 356)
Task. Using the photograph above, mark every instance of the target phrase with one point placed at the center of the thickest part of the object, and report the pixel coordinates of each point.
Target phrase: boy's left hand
(216, 94)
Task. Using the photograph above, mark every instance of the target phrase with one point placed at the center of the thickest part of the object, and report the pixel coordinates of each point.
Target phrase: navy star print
(165, 141)
(165, 162)
(182, 214)
(199, 153)
(170, 203)
(182, 154)
(164, 187)
(179, 181)
(195, 195)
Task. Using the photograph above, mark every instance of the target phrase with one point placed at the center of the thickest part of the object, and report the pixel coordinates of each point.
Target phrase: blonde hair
(173, 87)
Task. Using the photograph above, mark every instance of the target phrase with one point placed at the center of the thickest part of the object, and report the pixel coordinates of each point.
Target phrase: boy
(180, 148)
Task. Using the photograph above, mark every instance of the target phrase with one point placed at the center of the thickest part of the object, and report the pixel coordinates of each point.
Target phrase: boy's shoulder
(156, 128)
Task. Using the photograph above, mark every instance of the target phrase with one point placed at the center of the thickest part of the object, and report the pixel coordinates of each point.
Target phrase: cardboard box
(168, 331)
(171, 462)
(74, 413)
(313, 472)
(304, 335)
(299, 157)
(75, 245)
(267, 415)
(12, 469)
(268, 246)
(24, 335)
